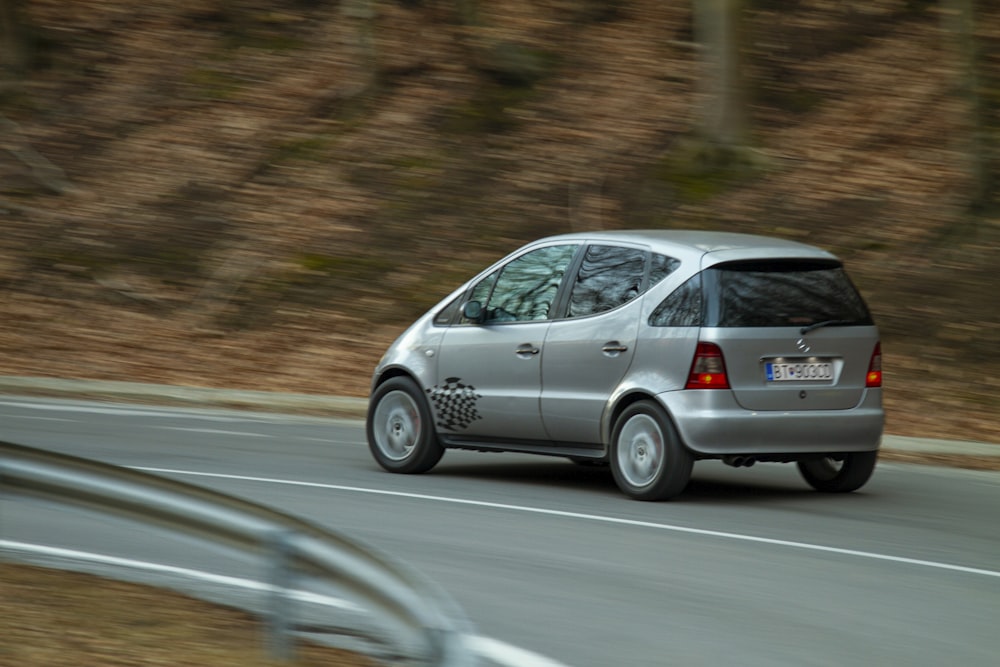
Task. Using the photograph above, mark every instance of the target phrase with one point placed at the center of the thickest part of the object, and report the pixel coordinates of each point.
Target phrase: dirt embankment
(261, 195)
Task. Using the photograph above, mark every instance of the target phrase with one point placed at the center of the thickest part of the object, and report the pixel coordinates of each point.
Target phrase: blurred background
(261, 194)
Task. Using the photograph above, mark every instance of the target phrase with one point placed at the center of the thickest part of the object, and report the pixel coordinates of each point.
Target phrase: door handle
(614, 347)
(526, 350)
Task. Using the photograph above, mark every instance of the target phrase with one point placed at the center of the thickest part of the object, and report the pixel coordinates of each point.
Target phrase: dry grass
(53, 618)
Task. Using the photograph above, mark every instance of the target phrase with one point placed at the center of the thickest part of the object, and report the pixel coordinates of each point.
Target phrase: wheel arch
(622, 403)
(395, 372)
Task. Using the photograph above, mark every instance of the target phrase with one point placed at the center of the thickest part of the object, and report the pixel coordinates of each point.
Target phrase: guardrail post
(449, 649)
(279, 606)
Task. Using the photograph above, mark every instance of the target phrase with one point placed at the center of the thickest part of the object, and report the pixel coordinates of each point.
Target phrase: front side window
(608, 277)
(525, 288)
(781, 293)
(447, 314)
(481, 292)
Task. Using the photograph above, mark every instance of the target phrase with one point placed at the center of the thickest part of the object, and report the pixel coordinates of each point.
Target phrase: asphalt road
(747, 567)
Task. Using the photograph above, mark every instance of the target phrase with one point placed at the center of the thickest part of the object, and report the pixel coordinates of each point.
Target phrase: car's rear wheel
(648, 460)
(839, 474)
(400, 429)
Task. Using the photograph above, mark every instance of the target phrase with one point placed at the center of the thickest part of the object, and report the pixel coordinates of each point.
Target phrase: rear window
(781, 293)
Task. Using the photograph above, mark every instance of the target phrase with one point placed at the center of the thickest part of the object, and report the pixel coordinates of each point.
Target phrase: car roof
(723, 246)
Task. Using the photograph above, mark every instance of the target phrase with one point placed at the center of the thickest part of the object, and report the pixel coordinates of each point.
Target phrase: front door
(489, 381)
(489, 371)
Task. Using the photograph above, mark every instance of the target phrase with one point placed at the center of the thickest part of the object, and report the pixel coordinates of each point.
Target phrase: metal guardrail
(295, 548)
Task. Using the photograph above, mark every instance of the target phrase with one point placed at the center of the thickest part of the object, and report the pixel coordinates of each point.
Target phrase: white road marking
(93, 409)
(204, 414)
(506, 654)
(327, 441)
(596, 518)
(129, 411)
(495, 650)
(214, 431)
(199, 575)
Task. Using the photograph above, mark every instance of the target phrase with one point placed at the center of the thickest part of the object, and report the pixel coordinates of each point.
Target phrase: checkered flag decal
(455, 404)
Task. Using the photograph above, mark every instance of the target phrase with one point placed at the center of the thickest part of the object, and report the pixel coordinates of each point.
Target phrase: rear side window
(660, 267)
(781, 293)
(608, 277)
(682, 308)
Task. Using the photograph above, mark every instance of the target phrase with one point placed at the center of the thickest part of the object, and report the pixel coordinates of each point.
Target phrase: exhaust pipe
(739, 461)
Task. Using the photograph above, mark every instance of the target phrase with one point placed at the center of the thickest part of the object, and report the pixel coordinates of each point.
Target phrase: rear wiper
(825, 323)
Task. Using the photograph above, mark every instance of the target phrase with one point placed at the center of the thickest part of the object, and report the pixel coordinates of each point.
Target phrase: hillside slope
(230, 193)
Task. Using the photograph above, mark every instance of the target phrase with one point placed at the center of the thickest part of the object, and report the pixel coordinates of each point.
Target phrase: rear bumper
(710, 422)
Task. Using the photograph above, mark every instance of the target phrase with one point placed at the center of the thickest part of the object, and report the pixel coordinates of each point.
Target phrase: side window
(526, 286)
(660, 267)
(446, 314)
(682, 308)
(481, 292)
(609, 276)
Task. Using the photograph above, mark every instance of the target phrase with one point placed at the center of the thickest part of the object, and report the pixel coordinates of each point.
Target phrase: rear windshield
(780, 293)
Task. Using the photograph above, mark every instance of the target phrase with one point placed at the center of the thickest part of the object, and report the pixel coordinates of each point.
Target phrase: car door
(489, 371)
(589, 350)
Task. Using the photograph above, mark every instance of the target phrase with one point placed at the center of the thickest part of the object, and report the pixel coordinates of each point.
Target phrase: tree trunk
(717, 30)
(468, 12)
(980, 144)
(360, 15)
(13, 51)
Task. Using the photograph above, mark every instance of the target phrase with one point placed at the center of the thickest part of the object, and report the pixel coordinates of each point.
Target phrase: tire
(400, 428)
(840, 474)
(647, 459)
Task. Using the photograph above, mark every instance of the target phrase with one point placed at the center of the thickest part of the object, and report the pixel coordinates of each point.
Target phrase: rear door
(589, 349)
(795, 334)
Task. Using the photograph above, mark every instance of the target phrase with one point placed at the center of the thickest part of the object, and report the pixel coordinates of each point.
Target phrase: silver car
(646, 351)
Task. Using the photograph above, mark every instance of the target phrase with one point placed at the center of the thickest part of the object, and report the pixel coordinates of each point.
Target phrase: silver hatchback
(647, 351)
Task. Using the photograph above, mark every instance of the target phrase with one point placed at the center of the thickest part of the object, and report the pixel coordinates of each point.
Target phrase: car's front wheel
(839, 474)
(647, 459)
(400, 430)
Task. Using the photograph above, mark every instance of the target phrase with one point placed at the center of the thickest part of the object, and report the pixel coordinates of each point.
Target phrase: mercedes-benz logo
(802, 345)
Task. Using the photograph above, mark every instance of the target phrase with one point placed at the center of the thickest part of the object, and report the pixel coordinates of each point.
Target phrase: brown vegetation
(63, 619)
(225, 193)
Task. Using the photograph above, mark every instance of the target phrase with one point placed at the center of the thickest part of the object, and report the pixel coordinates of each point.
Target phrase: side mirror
(473, 311)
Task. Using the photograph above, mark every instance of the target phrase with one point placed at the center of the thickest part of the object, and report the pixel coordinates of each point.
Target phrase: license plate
(799, 371)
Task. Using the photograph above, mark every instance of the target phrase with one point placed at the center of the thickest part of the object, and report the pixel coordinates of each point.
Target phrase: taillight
(708, 370)
(874, 377)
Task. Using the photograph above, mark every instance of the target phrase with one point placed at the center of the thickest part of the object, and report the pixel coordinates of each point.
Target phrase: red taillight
(708, 370)
(874, 377)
